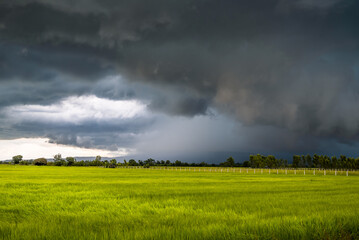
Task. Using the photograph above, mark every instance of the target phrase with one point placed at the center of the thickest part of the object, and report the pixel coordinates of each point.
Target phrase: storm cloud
(287, 71)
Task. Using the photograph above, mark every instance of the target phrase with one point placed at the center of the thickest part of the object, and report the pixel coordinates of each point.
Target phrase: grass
(98, 203)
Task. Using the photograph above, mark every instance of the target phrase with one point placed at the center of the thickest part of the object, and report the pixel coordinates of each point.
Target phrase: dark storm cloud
(286, 64)
(91, 134)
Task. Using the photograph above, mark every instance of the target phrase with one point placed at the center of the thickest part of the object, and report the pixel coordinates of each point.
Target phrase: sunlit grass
(98, 203)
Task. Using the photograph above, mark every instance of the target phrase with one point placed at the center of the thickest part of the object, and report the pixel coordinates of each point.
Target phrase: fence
(254, 171)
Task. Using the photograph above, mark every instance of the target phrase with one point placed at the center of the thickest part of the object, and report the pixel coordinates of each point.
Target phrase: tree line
(304, 161)
(71, 161)
(255, 161)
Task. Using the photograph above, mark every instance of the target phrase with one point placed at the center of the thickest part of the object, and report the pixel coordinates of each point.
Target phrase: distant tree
(16, 159)
(334, 161)
(150, 162)
(230, 161)
(57, 157)
(202, 164)
(350, 163)
(271, 161)
(26, 162)
(253, 161)
(132, 162)
(106, 164)
(327, 162)
(315, 160)
(113, 163)
(245, 164)
(178, 163)
(58, 161)
(308, 161)
(22, 162)
(97, 161)
(70, 161)
(296, 161)
(302, 162)
(40, 161)
(357, 163)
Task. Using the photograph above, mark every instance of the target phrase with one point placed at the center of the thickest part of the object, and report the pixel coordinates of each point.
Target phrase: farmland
(100, 203)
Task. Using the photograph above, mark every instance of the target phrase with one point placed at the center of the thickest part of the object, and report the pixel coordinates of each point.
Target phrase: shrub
(70, 161)
(40, 161)
(23, 162)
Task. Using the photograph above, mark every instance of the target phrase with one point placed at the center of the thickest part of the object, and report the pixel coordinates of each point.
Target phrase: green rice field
(44, 202)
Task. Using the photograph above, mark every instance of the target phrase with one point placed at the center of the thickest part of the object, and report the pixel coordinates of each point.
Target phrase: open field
(99, 203)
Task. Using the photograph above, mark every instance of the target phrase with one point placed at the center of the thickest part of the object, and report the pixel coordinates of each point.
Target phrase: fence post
(314, 172)
(277, 171)
(304, 171)
(347, 173)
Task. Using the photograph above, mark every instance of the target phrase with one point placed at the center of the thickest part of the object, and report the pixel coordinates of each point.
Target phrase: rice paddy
(101, 203)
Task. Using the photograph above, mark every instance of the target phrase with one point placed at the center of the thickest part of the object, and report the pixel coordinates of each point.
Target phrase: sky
(191, 80)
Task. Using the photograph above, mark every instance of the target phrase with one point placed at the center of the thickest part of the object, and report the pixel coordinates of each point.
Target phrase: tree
(16, 159)
(334, 162)
(302, 162)
(308, 160)
(150, 162)
(202, 164)
(113, 163)
(40, 161)
(252, 161)
(356, 163)
(178, 163)
(58, 161)
(230, 161)
(315, 160)
(22, 162)
(296, 161)
(132, 162)
(106, 163)
(271, 161)
(97, 161)
(246, 164)
(70, 161)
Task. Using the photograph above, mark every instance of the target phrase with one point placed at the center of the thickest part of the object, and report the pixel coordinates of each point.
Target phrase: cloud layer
(287, 71)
